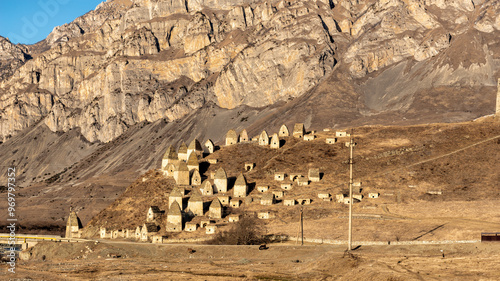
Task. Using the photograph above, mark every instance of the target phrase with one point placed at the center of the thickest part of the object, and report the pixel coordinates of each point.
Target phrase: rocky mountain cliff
(133, 61)
(135, 76)
(163, 59)
(11, 57)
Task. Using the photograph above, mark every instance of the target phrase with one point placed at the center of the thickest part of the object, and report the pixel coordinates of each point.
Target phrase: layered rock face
(163, 59)
(11, 57)
(412, 46)
(144, 60)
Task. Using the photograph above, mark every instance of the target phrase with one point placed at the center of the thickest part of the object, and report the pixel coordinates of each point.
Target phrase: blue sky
(29, 21)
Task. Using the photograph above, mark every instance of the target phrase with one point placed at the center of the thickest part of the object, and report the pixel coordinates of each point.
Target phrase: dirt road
(106, 261)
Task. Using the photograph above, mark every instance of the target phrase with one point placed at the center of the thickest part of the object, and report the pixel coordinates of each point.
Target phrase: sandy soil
(135, 261)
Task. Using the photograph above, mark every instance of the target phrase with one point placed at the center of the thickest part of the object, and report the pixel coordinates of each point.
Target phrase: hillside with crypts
(438, 173)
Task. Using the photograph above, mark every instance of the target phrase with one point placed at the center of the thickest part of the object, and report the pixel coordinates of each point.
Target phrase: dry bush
(247, 231)
(353, 260)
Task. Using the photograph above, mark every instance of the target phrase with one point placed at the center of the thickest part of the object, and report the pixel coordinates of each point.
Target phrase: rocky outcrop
(11, 57)
(89, 22)
(145, 60)
(489, 18)
(390, 31)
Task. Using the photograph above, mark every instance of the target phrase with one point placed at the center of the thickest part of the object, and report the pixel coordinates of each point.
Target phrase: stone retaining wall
(369, 243)
(186, 240)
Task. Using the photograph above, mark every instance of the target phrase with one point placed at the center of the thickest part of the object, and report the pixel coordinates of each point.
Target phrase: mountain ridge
(234, 47)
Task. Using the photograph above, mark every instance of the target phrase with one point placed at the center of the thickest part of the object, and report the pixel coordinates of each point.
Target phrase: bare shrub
(247, 231)
(353, 260)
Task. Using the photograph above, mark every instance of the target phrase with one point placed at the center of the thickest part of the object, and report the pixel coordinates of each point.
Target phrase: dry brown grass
(386, 162)
(280, 262)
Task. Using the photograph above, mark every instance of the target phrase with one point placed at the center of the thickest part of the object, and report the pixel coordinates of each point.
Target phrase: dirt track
(90, 261)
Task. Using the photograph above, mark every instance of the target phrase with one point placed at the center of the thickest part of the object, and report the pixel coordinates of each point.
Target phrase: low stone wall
(186, 240)
(372, 243)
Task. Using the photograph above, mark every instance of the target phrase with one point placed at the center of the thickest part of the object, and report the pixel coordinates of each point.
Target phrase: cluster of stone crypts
(207, 197)
(344, 197)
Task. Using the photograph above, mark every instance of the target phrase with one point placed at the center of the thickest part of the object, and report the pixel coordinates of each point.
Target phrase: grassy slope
(387, 161)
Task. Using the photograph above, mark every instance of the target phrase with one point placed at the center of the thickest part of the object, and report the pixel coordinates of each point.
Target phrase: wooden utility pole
(301, 228)
(302, 225)
(351, 146)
